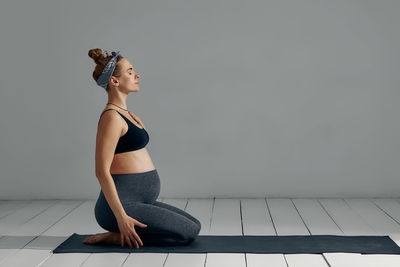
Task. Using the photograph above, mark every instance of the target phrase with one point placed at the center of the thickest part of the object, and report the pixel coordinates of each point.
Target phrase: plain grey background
(280, 98)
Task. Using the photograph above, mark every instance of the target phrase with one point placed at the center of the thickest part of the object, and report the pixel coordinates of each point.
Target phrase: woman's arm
(108, 133)
(110, 192)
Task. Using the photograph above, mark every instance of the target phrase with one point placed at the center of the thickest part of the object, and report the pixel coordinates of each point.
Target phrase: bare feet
(109, 238)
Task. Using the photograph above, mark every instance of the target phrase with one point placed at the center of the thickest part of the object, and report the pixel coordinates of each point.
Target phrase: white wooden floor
(31, 229)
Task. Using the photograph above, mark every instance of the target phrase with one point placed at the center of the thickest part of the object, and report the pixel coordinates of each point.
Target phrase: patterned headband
(108, 70)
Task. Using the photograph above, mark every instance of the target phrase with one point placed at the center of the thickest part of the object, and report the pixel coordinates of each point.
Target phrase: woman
(129, 181)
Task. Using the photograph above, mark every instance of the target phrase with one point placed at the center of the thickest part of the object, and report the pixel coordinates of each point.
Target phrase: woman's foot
(109, 238)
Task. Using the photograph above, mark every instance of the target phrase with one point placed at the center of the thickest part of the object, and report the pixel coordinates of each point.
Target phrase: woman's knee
(186, 233)
(107, 221)
(193, 233)
(197, 222)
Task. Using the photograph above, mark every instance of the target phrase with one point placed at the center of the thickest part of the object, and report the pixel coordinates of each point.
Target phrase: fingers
(143, 225)
(129, 239)
(138, 238)
(129, 242)
(131, 235)
(136, 244)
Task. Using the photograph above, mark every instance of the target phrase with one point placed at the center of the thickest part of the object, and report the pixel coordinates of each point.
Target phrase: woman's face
(129, 79)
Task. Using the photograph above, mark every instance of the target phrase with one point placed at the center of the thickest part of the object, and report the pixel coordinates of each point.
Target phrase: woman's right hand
(126, 225)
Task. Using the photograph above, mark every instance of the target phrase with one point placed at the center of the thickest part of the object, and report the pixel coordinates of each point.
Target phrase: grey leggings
(166, 224)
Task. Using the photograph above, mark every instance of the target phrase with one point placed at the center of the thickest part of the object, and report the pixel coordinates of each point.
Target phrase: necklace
(123, 109)
(117, 106)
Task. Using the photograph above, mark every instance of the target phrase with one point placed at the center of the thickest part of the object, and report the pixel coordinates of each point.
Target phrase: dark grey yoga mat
(314, 244)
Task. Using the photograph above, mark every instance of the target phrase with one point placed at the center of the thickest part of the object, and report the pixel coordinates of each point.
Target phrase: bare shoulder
(109, 117)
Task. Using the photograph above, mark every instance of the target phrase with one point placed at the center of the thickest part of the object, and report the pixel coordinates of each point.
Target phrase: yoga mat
(310, 244)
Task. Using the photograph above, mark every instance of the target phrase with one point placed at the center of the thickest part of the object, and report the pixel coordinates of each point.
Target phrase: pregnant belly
(132, 162)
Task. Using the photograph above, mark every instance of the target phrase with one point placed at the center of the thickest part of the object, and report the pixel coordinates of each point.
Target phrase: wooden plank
(316, 218)
(285, 217)
(26, 257)
(185, 260)
(321, 223)
(374, 216)
(47, 218)
(390, 206)
(202, 210)
(65, 260)
(225, 259)
(30, 255)
(287, 221)
(106, 260)
(10, 223)
(81, 221)
(346, 218)
(262, 260)
(257, 221)
(305, 260)
(350, 223)
(340, 259)
(42, 243)
(382, 224)
(226, 220)
(256, 217)
(146, 259)
(10, 244)
(10, 206)
(384, 260)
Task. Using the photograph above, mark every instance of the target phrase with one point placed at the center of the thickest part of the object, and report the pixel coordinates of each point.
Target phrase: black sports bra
(134, 139)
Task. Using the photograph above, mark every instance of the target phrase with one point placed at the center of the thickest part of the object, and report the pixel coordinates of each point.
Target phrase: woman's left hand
(136, 118)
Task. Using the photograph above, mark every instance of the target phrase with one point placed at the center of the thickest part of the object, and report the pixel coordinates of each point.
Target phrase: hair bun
(97, 55)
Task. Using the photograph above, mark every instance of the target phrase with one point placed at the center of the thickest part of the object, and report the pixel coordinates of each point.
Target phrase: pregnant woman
(129, 181)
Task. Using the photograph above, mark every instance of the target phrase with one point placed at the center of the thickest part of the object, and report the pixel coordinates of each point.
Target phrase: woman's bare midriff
(132, 162)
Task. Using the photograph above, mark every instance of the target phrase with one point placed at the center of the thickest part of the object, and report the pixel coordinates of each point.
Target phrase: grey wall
(241, 98)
